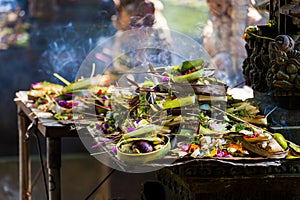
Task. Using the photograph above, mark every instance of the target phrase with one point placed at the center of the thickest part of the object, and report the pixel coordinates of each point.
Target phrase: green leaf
(191, 64)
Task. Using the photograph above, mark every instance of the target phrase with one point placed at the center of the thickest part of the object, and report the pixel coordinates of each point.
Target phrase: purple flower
(62, 103)
(137, 120)
(114, 150)
(104, 97)
(132, 116)
(130, 129)
(98, 126)
(105, 126)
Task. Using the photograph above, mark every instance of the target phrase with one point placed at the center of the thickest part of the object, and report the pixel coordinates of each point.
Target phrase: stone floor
(81, 173)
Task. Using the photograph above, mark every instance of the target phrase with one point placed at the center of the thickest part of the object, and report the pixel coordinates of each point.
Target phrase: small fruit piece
(142, 147)
(294, 147)
(179, 102)
(281, 140)
(188, 77)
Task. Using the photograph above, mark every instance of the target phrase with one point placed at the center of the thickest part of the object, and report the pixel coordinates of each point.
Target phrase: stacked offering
(175, 112)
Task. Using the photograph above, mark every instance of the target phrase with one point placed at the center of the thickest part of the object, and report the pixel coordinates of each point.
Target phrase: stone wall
(222, 36)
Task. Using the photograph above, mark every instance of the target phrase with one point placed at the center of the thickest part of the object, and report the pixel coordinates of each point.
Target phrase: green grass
(186, 16)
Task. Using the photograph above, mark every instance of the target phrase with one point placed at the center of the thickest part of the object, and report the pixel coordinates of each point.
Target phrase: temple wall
(222, 36)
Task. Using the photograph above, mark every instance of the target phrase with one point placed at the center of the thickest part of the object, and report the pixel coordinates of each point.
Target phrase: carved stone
(284, 74)
(257, 63)
(272, 66)
(216, 180)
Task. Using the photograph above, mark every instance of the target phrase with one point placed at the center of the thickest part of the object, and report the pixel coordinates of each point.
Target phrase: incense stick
(271, 111)
(93, 70)
(61, 79)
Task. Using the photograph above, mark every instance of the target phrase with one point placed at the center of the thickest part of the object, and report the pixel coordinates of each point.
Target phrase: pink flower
(185, 147)
(223, 154)
(165, 79)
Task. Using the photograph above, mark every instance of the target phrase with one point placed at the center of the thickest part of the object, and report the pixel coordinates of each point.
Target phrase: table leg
(24, 157)
(54, 167)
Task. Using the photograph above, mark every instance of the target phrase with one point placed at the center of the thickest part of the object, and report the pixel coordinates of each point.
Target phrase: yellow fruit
(281, 140)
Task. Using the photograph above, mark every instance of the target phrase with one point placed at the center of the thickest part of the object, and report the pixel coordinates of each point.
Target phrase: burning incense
(61, 79)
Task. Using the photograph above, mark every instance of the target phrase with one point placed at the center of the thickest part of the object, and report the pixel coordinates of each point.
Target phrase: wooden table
(53, 133)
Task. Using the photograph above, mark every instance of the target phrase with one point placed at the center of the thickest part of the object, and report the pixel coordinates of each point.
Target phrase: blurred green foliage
(186, 16)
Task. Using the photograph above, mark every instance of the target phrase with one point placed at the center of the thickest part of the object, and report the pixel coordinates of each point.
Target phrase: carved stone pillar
(272, 67)
(222, 37)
